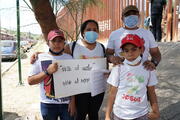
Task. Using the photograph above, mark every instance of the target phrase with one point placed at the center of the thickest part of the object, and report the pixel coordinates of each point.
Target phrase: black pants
(86, 104)
(156, 26)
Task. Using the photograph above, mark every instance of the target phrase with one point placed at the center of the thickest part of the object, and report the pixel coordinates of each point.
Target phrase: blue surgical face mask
(91, 36)
(131, 21)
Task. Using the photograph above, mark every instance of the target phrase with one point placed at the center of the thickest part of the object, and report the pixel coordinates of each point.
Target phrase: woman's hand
(34, 57)
(52, 68)
(116, 60)
(148, 65)
(72, 106)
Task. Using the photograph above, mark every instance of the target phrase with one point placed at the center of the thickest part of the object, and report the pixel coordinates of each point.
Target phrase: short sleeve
(35, 68)
(111, 42)
(152, 78)
(114, 77)
(152, 42)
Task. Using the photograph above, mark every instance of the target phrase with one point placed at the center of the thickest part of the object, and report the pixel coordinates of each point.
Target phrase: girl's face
(91, 27)
(131, 52)
(57, 44)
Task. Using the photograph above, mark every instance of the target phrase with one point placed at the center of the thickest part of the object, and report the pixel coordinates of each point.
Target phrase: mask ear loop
(139, 20)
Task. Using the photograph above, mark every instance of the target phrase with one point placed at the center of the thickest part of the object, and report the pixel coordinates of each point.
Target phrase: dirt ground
(21, 102)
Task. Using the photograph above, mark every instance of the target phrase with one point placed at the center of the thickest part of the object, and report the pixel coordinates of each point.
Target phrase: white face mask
(134, 62)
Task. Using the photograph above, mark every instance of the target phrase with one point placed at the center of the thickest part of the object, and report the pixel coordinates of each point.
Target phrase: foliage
(23, 34)
(76, 9)
(46, 9)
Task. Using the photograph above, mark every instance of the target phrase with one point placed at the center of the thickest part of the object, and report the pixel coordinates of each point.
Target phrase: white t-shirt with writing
(131, 98)
(81, 52)
(117, 36)
(37, 68)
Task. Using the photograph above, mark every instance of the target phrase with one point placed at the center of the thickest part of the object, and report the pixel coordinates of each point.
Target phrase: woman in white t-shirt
(130, 83)
(87, 48)
(131, 20)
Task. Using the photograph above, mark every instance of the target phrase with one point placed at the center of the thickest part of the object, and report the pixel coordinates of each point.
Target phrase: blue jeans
(53, 111)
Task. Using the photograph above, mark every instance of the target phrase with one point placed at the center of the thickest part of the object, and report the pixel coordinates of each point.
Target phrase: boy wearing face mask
(131, 20)
(130, 83)
(41, 73)
(86, 48)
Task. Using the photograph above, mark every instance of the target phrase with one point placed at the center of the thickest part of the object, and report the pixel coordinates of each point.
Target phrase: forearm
(109, 54)
(111, 99)
(155, 54)
(156, 57)
(73, 99)
(67, 49)
(153, 100)
(36, 79)
(109, 106)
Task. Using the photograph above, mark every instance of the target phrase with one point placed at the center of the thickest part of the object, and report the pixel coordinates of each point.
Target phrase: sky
(8, 17)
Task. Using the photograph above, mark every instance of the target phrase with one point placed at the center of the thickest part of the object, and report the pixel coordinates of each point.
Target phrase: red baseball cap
(133, 39)
(55, 33)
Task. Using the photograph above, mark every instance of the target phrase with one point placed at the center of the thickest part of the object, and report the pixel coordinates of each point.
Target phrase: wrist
(155, 62)
(46, 72)
(109, 58)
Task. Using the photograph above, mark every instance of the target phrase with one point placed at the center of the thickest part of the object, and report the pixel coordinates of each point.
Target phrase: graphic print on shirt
(133, 85)
(87, 57)
(48, 80)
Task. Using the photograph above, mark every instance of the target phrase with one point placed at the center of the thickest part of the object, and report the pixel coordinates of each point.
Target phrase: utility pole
(1, 106)
(18, 41)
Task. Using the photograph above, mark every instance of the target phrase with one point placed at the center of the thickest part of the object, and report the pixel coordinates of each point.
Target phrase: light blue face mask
(91, 36)
(131, 21)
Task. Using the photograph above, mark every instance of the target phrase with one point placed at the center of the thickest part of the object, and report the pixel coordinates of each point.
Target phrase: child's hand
(52, 68)
(153, 115)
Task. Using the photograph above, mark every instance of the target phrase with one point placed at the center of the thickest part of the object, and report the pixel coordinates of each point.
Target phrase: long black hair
(85, 23)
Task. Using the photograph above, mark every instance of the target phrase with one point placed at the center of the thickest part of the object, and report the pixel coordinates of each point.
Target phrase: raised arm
(34, 57)
(35, 79)
(67, 49)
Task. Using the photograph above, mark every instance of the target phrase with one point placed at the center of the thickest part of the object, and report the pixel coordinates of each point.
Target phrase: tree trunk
(44, 15)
